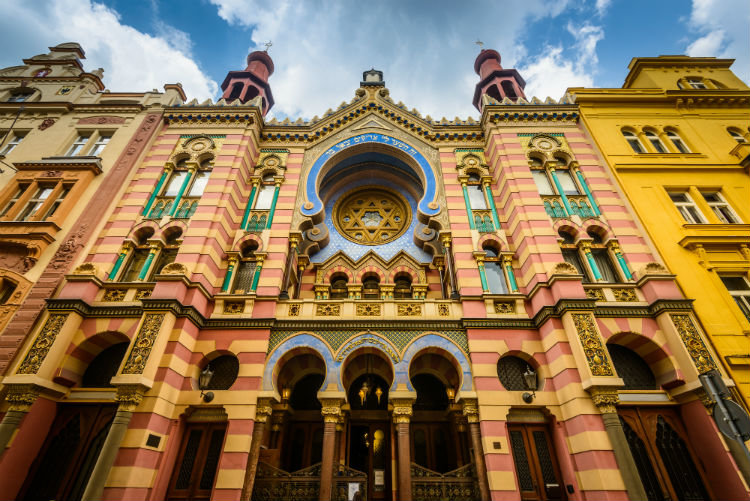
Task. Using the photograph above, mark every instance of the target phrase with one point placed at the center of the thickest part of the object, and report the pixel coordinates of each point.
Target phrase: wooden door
(197, 462)
(538, 473)
(432, 447)
(67, 457)
(304, 445)
(666, 463)
(369, 452)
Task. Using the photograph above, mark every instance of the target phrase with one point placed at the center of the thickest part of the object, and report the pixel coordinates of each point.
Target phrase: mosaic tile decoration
(400, 338)
(355, 251)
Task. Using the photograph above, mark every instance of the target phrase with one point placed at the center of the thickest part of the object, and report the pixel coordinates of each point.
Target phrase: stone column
(331, 412)
(605, 400)
(20, 397)
(263, 409)
(293, 241)
(128, 397)
(402, 412)
(338, 451)
(471, 411)
(446, 239)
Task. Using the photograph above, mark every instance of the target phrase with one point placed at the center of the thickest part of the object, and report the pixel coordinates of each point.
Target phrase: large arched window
(634, 371)
(104, 366)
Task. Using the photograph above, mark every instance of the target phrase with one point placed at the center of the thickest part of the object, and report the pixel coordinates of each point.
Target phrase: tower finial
(480, 44)
(268, 45)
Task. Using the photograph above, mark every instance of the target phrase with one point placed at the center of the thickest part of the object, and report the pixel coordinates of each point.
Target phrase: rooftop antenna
(268, 45)
(480, 44)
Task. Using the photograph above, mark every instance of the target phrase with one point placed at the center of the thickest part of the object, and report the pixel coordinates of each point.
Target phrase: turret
(252, 82)
(496, 82)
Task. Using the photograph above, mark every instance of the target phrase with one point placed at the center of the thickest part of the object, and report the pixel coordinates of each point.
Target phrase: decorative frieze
(328, 310)
(294, 309)
(595, 294)
(114, 295)
(42, 344)
(234, 307)
(596, 354)
(368, 310)
(444, 310)
(505, 307)
(143, 344)
(693, 342)
(409, 309)
(625, 295)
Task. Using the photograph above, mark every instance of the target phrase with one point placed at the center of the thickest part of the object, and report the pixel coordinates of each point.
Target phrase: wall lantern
(285, 394)
(203, 381)
(451, 393)
(531, 381)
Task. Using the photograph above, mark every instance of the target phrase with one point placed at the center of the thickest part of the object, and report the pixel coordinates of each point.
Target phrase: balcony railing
(163, 207)
(457, 485)
(483, 221)
(579, 206)
(257, 221)
(273, 483)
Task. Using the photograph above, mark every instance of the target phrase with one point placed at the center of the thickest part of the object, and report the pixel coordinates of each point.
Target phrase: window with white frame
(677, 142)
(476, 194)
(15, 140)
(739, 288)
(737, 135)
(655, 141)
(696, 83)
(720, 207)
(79, 144)
(265, 194)
(100, 144)
(20, 190)
(687, 208)
(633, 141)
(543, 183)
(35, 203)
(493, 270)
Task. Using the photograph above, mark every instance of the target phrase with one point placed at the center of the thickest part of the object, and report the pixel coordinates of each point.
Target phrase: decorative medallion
(625, 295)
(42, 344)
(144, 341)
(409, 309)
(328, 310)
(294, 309)
(143, 293)
(371, 215)
(693, 342)
(592, 345)
(361, 340)
(368, 310)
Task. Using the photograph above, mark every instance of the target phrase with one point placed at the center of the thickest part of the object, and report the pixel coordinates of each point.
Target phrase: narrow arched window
(633, 141)
(678, 142)
(655, 141)
(371, 287)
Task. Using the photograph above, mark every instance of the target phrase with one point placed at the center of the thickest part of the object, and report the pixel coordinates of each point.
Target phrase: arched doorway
(367, 377)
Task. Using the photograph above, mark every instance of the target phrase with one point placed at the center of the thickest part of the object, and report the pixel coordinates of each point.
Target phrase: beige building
(67, 146)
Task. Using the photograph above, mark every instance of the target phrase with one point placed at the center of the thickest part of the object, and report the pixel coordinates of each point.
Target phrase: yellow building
(676, 138)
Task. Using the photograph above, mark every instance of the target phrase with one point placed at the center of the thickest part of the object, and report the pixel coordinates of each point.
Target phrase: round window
(371, 215)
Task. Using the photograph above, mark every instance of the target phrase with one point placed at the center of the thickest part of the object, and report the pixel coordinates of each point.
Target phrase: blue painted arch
(445, 344)
(430, 182)
(309, 342)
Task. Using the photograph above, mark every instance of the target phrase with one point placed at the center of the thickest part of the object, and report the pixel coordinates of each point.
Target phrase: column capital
(614, 246)
(471, 410)
(507, 259)
(331, 410)
(585, 245)
(605, 398)
(21, 396)
(479, 257)
(445, 238)
(126, 247)
(129, 396)
(402, 410)
(263, 410)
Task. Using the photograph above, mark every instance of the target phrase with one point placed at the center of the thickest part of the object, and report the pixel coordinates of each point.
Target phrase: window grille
(633, 370)
(510, 371)
(225, 368)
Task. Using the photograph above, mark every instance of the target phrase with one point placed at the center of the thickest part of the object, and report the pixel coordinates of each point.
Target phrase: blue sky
(426, 49)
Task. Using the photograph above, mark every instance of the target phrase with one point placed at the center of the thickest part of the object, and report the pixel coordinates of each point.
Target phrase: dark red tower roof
(495, 81)
(252, 82)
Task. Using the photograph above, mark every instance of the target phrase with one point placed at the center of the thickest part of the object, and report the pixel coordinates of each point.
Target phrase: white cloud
(602, 6)
(550, 73)
(320, 48)
(722, 29)
(133, 61)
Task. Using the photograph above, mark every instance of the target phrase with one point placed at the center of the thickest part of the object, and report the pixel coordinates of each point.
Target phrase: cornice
(182, 311)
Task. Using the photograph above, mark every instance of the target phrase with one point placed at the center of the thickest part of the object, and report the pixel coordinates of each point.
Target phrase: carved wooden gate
(274, 484)
(457, 485)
